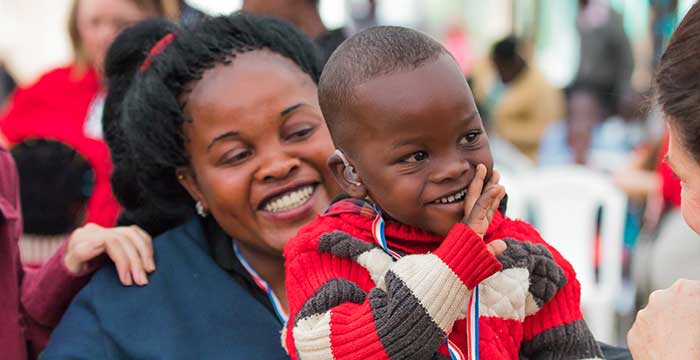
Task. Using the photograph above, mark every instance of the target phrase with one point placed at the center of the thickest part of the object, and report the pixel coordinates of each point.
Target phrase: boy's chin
(443, 226)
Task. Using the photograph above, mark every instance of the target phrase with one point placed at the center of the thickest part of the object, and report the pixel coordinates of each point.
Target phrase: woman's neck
(270, 267)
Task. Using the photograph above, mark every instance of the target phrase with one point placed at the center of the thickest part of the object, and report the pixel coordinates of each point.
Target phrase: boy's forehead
(435, 88)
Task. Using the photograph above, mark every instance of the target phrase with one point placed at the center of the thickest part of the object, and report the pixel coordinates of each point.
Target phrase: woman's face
(100, 21)
(688, 170)
(258, 147)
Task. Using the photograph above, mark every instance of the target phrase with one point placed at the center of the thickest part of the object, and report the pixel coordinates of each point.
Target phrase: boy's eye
(416, 157)
(470, 138)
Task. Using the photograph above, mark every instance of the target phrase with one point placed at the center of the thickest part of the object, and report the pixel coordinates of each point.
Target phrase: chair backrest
(517, 206)
(564, 204)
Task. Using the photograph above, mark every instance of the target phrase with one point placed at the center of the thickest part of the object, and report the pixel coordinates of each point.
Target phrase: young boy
(388, 272)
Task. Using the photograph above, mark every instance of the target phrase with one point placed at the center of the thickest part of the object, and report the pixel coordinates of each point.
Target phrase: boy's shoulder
(514, 228)
(523, 232)
(308, 237)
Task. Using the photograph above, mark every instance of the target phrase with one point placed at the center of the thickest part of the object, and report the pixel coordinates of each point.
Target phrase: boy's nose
(449, 171)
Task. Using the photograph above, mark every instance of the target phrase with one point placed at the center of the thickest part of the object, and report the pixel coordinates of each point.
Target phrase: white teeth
(452, 198)
(289, 200)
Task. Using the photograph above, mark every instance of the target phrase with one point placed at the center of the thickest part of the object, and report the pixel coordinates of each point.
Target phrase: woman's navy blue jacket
(192, 308)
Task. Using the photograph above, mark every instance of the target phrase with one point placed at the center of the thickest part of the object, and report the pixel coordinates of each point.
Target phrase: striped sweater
(348, 299)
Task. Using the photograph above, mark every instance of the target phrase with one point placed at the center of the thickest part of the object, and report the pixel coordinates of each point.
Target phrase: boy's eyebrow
(472, 116)
(467, 120)
(224, 136)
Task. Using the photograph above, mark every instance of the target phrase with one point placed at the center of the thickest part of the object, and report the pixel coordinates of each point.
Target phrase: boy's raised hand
(482, 203)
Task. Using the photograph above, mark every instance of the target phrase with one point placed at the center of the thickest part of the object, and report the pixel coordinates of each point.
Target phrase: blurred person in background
(669, 327)
(55, 184)
(457, 42)
(66, 103)
(7, 85)
(305, 15)
(587, 136)
(523, 103)
(606, 59)
(33, 301)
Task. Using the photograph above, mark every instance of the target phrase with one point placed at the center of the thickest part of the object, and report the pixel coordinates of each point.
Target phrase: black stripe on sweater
(331, 294)
(569, 341)
(404, 326)
(546, 276)
(342, 244)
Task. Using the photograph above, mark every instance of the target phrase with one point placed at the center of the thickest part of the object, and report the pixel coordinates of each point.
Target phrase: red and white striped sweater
(350, 300)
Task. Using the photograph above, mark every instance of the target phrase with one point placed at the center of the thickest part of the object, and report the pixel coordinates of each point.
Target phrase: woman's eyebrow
(290, 109)
(226, 135)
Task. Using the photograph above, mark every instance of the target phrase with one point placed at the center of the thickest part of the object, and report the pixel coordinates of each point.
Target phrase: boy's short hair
(377, 51)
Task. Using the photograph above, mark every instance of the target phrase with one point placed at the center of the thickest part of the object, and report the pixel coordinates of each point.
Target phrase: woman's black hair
(55, 184)
(124, 58)
(152, 116)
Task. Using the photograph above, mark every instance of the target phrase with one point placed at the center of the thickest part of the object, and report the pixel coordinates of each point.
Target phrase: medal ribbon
(276, 305)
(472, 318)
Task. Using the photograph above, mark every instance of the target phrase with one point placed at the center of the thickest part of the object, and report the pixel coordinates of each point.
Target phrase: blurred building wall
(33, 36)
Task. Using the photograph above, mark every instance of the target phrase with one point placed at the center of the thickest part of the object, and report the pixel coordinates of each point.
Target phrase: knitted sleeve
(553, 326)
(349, 300)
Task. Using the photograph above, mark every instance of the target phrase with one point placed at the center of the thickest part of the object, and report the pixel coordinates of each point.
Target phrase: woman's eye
(416, 157)
(470, 138)
(236, 157)
(301, 134)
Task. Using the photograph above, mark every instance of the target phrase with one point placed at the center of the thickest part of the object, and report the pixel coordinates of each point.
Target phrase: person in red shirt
(65, 104)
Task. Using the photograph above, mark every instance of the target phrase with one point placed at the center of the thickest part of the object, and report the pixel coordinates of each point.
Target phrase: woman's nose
(277, 168)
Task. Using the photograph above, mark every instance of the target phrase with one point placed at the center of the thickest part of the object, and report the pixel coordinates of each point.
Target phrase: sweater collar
(361, 213)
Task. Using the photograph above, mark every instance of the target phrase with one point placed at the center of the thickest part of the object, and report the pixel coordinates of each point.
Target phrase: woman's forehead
(255, 84)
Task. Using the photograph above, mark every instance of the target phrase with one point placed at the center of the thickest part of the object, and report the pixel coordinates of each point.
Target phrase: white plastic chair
(564, 203)
(517, 206)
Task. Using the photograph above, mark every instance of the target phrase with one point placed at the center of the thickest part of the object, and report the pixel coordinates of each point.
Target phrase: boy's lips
(451, 198)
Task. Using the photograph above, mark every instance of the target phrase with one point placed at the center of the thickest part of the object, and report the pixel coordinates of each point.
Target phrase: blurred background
(565, 90)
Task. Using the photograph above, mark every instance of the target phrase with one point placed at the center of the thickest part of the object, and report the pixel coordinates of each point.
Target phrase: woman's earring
(200, 209)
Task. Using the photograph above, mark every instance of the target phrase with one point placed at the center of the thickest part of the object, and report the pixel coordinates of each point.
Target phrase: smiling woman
(669, 327)
(223, 119)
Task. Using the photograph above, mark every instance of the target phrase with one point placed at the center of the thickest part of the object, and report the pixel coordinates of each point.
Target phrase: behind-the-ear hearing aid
(349, 172)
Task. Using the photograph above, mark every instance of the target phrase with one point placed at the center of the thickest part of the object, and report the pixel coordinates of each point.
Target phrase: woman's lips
(291, 205)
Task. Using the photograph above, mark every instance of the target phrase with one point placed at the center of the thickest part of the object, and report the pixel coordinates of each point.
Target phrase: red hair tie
(157, 49)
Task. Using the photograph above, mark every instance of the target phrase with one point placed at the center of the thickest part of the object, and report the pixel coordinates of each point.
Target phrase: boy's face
(415, 141)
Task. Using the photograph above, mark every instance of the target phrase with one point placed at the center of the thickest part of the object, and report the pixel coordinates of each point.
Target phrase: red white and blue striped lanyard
(472, 318)
(276, 305)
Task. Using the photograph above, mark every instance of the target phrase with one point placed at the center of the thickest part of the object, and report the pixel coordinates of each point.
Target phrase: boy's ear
(346, 177)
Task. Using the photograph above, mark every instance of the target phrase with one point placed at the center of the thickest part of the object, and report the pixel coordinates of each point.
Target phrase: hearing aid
(349, 172)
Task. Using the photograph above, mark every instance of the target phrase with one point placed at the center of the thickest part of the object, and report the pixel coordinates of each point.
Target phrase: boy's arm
(554, 325)
(338, 313)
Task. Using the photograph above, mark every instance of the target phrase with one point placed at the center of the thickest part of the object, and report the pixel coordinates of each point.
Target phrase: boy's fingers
(495, 178)
(484, 204)
(501, 192)
(497, 247)
(474, 189)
